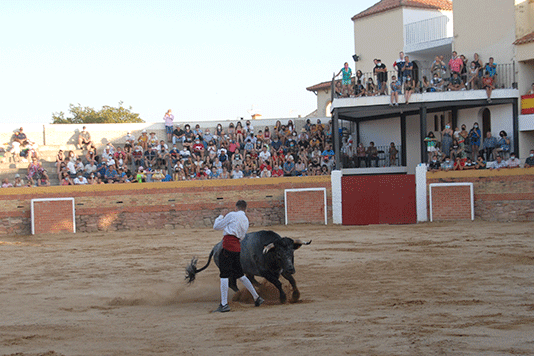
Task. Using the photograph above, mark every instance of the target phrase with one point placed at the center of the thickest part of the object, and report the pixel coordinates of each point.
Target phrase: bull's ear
(297, 243)
(268, 247)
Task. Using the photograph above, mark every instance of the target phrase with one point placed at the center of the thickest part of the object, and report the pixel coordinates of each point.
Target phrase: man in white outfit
(235, 226)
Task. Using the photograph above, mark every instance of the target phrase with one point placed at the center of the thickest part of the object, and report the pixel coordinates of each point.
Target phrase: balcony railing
(505, 79)
(426, 30)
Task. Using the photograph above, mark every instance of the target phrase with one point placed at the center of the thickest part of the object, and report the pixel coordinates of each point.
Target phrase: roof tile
(386, 5)
(525, 39)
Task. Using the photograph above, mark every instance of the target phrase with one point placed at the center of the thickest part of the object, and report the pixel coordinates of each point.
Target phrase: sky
(205, 60)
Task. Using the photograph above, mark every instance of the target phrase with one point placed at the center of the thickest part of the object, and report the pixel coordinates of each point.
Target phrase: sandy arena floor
(428, 289)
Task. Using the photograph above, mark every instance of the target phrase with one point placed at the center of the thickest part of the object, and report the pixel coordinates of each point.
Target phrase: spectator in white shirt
(80, 179)
(513, 162)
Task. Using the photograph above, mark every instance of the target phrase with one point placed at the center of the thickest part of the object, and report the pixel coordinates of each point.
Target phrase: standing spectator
(513, 162)
(399, 65)
(372, 155)
(407, 71)
(84, 138)
(395, 90)
(488, 84)
(455, 63)
(438, 67)
(463, 72)
(381, 73)
(473, 79)
(529, 162)
(392, 154)
(446, 140)
(489, 144)
(346, 79)
(503, 144)
(474, 139)
(169, 121)
(430, 141)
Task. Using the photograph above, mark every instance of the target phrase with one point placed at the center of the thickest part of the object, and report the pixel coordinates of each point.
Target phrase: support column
(422, 127)
(454, 122)
(403, 157)
(335, 139)
(515, 126)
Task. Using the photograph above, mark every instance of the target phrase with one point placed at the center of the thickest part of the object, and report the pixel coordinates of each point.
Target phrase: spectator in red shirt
(456, 64)
(277, 172)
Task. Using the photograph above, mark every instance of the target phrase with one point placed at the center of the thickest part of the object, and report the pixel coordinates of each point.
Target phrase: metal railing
(505, 79)
(426, 30)
(383, 159)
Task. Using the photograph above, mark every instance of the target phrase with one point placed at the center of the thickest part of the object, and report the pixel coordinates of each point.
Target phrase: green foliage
(88, 115)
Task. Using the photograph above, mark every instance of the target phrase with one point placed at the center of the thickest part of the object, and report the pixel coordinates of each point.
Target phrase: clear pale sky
(205, 60)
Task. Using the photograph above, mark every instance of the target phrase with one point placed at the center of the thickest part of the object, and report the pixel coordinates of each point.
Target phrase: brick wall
(305, 207)
(169, 205)
(53, 216)
(451, 203)
(505, 195)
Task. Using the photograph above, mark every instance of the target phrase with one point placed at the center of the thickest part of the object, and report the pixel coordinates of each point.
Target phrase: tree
(88, 115)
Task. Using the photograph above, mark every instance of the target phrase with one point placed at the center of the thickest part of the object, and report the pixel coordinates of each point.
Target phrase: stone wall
(504, 195)
(171, 205)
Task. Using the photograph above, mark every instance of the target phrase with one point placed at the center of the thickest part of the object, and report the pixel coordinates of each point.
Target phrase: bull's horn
(268, 247)
(300, 242)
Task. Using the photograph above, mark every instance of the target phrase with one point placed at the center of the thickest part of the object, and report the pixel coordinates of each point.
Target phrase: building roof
(386, 5)
(320, 86)
(525, 39)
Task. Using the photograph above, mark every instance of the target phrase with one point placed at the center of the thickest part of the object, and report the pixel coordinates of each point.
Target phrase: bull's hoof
(283, 299)
(295, 297)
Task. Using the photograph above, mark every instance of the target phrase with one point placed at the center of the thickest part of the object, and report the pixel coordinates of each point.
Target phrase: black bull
(264, 254)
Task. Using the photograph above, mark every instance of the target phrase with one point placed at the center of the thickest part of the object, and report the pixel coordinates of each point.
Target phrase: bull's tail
(191, 270)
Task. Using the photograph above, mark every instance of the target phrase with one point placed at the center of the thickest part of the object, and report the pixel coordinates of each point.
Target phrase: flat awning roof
(377, 107)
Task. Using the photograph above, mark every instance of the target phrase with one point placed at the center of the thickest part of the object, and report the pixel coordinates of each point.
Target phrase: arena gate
(378, 199)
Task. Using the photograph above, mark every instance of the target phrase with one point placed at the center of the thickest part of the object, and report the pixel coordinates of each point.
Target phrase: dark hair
(241, 205)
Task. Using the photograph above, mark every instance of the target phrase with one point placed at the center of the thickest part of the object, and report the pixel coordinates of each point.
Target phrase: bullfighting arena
(456, 288)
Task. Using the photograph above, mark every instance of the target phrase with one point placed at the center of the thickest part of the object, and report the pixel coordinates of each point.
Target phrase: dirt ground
(428, 289)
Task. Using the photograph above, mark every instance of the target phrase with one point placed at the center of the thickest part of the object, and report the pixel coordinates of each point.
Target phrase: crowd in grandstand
(457, 74)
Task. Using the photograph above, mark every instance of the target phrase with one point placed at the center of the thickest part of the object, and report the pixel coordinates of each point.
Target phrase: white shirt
(234, 223)
(80, 181)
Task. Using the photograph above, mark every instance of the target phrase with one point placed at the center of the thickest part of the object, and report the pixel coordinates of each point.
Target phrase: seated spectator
(531, 91)
(513, 162)
(456, 83)
(489, 145)
(18, 181)
(328, 152)
(20, 138)
(488, 84)
(33, 170)
(503, 144)
(129, 139)
(480, 163)
(300, 168)
(529, 162)
(143, 140)
(236, 172)
(158, 175)
(137, 155)
(84, 139)
(473, 79)
(178, 135)
(436, 84)
(360, 154)
(458, 164)
(150, 157)
(469, 164)
(447, 164)
(110, 174)
(140, 176)
(409, 87)
(498, 164)
(371, 155)
(90, 168)
(80, 180)
(370, 88)
(66, 179)
(277, 172)
(359, 89)
(6, 184)
(153, 139)
(396, 87)
(491, 68)
(425, 85)
(434, 165)
(289, 167)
